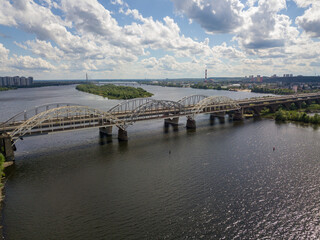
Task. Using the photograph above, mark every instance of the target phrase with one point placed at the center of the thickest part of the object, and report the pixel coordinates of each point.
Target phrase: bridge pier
(273, 108)
(191, 124)
(6, 147)
(238, 116)
(221, 117)
(298, 104)
(173, 121)
(122, 135)
(105, 131)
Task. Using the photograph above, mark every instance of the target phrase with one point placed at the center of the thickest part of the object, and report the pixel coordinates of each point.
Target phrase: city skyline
(159, 39)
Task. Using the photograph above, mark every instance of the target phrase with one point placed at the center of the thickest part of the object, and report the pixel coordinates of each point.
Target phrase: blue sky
(112, 39)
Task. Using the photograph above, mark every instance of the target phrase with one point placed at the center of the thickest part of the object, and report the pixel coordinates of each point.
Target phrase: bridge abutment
(6, 147)
(191, 124)
(122, 135)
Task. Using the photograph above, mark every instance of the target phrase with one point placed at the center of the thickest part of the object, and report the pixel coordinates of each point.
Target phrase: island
(114, 92)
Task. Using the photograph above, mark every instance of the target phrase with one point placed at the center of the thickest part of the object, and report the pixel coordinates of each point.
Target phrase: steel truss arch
(128, 106)
(191, 100)
(161, 107)
(28, 113)
(60, 114)
(217, 103)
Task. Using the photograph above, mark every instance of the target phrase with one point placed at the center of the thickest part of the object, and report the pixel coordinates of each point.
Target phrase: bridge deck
(121, 118)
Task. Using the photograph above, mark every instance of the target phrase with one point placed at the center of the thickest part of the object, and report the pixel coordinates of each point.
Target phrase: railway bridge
(59, 117)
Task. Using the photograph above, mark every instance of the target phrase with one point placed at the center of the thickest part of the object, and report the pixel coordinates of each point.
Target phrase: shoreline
(6, 169)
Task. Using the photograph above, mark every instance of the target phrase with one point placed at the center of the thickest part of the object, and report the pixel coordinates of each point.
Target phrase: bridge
(59, 117)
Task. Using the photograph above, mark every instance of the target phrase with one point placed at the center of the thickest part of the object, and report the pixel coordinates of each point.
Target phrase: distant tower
(87, 78)
(206, 75)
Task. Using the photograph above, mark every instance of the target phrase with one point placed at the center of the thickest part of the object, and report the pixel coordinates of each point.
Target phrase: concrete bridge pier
(122, 135)
(298, 104)
(221, 118)
(273, 108)
(171, 121)
(257, 112)
(238, 115)
(105, 131)
(191, 123)
(6, 147)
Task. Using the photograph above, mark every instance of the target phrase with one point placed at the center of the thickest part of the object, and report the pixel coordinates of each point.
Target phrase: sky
(156, 39)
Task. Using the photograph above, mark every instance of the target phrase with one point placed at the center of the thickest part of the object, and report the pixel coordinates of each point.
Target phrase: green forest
(114, 92)
(281, 91)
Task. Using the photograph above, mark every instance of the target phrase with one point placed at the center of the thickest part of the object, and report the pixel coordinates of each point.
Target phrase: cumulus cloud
(43, 49)
(215, 16)
(310, 20)
(3, 53)
(76, 35)
(264, 27)
(304, 3)
(30, 63)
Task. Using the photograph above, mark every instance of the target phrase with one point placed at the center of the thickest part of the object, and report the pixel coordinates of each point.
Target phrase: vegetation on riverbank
(280, 91)
(296, 115)
(6, 88)
(114, 92)
(2, 159)
(282, 115)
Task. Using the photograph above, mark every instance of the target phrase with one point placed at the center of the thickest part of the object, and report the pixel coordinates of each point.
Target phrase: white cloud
(3, 54)
(30, 63)
(215, 16)
(304, 3)
(310, 20)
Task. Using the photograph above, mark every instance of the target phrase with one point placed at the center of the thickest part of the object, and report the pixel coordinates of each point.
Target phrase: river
(222, 181)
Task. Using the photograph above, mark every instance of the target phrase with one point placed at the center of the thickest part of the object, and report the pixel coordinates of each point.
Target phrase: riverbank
(4, 166)
(6, 88)
(114, 92)
(296, 115)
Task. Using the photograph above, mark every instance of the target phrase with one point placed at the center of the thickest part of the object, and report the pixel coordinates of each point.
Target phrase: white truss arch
(191, 100)
(128, 106)
(59, 115)
(160, 108)
(28, 113)
(215, 103)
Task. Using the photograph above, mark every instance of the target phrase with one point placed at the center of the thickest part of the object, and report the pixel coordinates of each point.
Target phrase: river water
(222, 181)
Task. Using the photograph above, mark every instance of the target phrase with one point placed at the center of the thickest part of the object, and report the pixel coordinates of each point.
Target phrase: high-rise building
(15, 81)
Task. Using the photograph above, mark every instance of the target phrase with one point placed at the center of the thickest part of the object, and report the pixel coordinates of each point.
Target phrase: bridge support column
(191, 124)
(122, 135)
(273, 108)
(298, 104)
(238, 116)
(105, 131)
(6, 147)
(172, 121)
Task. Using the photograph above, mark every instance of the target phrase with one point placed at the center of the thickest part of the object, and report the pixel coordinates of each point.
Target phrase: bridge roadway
(65, 117)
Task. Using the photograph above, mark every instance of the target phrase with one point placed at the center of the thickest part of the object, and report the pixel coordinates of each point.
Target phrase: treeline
(282, 115)
(280, 91)
(114, 92)
(6, 88)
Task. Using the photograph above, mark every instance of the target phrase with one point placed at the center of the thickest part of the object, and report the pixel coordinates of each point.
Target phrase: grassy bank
(296, 115)
(6, 88)
(114, 92)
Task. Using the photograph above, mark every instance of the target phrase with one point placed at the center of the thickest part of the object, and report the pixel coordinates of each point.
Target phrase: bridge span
(59, 117)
